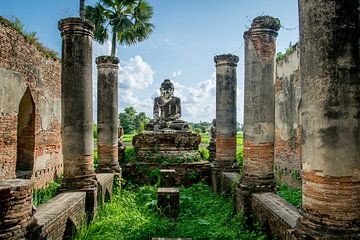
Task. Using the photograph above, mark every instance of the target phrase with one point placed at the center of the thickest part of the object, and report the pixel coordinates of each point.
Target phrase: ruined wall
(287, 161)
(29, 82)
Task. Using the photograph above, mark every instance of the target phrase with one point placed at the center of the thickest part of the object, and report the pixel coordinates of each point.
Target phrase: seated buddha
(167, 110)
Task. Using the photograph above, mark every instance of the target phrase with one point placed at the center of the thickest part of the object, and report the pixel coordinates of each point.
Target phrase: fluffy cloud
(135, 74)
(128, 98)
(197, 103)
(178, 73)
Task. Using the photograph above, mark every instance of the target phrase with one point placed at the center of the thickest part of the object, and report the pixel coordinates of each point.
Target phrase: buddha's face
(167, 92)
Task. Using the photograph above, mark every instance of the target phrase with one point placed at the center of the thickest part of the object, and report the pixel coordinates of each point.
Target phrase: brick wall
(287, 158)
(23, 66)
(60, 217)
(16, 213)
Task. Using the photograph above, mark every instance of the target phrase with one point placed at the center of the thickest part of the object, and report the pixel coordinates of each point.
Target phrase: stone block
(167, 178)
(168, 144)
(275, 214)
(169, 201)
(60, 217)
(228, 182)
(105, 187)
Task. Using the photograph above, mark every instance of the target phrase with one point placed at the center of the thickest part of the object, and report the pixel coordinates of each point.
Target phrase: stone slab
(271, 210)
(105, 186)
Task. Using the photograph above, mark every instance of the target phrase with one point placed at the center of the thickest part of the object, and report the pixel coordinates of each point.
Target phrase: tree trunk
(82, 8)
(113, 44)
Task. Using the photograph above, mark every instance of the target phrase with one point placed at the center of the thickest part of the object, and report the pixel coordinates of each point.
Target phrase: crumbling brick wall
(287, 161)
(25, 67)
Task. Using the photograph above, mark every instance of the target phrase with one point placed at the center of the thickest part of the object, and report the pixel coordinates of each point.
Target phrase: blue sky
(188, 34)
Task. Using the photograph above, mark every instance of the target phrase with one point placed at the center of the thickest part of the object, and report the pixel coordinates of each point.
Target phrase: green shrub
(130, 154)
(96, 158)
(43, 195)
(204, 152)
(291, 195)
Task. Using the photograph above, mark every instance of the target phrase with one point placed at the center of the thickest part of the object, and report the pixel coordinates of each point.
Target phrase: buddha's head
(167, 89)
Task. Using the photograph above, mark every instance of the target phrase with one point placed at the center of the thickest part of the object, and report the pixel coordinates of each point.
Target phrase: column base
(313, 226)
(108, 168)
(258, 184)
(248, 185)
(86, 184)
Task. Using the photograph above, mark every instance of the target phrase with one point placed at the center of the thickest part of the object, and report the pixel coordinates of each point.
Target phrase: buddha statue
(167, 110)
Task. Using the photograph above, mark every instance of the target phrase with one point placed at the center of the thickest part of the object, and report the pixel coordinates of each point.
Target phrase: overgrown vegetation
(43, 195)
(292, 47)
(134, 215)
(291, 195)
(30, 37)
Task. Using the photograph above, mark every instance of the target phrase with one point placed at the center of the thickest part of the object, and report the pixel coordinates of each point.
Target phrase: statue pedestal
(167, 146)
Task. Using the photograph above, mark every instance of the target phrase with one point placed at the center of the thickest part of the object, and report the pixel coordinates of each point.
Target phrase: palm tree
(129, 21)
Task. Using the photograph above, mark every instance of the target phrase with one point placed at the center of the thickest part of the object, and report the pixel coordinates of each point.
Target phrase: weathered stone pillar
(259, 108)
(226, 111)
(107, 114)
(329, 60)
(225, 156)
(76, 106)
(16, 212)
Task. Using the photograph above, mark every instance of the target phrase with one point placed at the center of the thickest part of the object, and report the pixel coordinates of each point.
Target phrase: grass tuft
(43, 195)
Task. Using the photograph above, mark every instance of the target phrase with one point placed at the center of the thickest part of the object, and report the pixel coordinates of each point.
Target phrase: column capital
(226, 59)
(107, 61)
(76, 26)
(264, 24)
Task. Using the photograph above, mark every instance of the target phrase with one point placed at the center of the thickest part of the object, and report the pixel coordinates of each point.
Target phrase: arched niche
(25, 137)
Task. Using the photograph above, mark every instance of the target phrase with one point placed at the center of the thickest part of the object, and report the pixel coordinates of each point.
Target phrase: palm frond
(109, 3)
(143, 11)
(129, 19)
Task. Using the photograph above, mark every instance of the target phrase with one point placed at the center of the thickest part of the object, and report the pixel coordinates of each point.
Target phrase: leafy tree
(129, 21)
(140, 121)
(131, 121)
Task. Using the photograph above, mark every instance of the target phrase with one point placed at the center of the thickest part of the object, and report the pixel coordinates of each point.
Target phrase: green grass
(128, 137)
(291, 195)
(43, 195)
(134, 215)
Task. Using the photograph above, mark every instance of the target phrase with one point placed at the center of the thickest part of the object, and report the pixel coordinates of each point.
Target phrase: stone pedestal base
(249, 185)
(167, 178)
(169, 201)
(312, 225)
(169, 145)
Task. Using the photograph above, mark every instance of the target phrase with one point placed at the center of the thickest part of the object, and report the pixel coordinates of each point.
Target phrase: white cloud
(127, 96)
(168, 41)
(197, 103)
(178, 73)
(135, 73)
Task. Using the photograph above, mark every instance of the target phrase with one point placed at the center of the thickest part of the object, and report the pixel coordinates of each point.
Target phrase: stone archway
(70, 230)
(25, 137)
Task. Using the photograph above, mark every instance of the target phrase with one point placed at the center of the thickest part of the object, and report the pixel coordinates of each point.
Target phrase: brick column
(329, 60)
(225, 111)
(76, 106)
(259, 108)
(225, 155)
(107, 114)
(16, 213)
